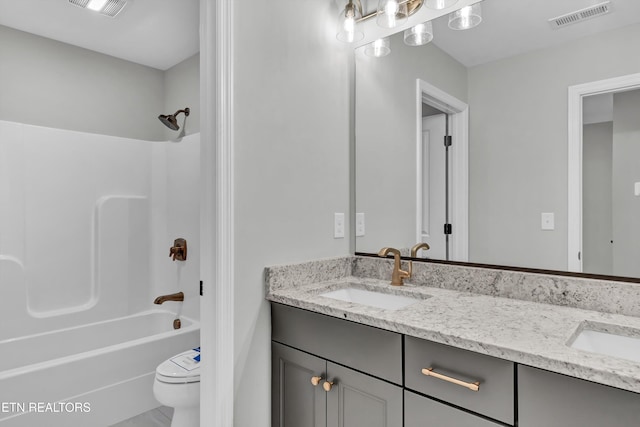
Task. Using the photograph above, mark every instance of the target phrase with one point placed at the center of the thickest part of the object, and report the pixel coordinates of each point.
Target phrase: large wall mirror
(500, 90)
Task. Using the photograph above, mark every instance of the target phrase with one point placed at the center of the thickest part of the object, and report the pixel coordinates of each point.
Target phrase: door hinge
(447, 141)
(200, 287)
(447, 229)
(579, 256)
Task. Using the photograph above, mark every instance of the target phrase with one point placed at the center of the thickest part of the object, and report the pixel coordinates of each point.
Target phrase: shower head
(170, 121)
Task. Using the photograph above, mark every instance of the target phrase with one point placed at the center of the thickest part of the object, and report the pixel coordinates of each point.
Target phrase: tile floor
(159, 417)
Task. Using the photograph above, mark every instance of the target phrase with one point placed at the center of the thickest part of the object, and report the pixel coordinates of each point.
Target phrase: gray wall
(291, 150)
(386, 136)
(47, 83)
(597, 211)
(626, 171)
(518, 145)
(182, 89)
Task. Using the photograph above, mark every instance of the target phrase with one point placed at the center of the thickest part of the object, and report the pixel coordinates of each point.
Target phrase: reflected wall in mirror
(514, 72)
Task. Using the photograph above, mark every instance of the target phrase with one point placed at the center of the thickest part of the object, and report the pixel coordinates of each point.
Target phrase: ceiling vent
(581, 15)
(105, 7)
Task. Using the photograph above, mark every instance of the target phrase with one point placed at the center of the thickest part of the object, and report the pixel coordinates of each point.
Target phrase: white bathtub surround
(86, 222)
(516, 316)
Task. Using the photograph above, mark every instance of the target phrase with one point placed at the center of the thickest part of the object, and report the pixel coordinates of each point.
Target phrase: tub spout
(179, 296)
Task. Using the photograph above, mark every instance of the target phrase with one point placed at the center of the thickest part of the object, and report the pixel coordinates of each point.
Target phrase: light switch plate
(359, 224)
(548, 221)
(338, 226)
(637, 189)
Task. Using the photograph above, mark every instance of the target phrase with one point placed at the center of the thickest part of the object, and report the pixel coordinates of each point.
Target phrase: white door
(433, 173)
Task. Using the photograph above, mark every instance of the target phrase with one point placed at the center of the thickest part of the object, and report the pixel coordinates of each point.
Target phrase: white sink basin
(609, 344)
(370, 298)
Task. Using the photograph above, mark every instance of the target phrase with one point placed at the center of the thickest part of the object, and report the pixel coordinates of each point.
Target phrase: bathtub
(91, 375)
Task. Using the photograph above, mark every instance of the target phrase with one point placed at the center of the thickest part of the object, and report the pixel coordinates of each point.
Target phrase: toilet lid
(182, 368)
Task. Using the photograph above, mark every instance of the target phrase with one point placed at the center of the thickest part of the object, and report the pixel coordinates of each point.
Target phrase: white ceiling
(162, 33)
(511, 27)
(155, 33)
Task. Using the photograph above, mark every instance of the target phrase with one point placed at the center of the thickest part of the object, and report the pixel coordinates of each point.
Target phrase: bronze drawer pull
(471, 386)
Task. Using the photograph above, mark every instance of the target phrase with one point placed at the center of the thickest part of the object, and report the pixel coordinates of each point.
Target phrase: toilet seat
(180, 369)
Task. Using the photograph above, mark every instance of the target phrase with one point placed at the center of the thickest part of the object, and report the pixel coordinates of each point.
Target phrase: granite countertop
(531, 333)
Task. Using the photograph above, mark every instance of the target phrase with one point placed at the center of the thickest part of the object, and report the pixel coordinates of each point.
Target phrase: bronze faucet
(414, 254)
(398, 275)
(179, 296)
(416, 248)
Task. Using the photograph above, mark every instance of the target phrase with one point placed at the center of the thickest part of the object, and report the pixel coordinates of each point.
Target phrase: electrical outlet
(548, 221)
(338, 226)
(359, 224)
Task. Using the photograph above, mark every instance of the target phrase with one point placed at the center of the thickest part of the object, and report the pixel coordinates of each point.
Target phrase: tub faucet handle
(179, 250)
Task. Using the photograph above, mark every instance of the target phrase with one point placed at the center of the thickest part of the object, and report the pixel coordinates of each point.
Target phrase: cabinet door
(358, 400)
(296, 402)
(422, 412)
(553, 400)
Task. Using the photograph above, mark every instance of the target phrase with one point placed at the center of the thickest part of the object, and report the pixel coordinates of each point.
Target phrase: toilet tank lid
(184, 367)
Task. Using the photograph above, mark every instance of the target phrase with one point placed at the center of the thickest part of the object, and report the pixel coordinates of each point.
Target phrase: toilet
(177, 385)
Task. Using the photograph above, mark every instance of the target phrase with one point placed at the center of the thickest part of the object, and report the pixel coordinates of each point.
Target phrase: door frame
(459, 127)
(217, 379)
(574, 166)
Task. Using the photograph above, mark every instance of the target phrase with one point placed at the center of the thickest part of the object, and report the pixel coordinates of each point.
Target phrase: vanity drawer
(420, 411)
(495, 395)
(364, 348)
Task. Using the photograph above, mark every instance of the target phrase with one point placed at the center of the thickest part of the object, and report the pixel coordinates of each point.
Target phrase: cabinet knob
(327, 385)
(316, 380)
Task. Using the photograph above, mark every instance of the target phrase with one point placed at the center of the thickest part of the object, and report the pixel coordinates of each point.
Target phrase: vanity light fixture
(350, 15)
(392, 13)
(439, 4)
(108, 8)
(465, 18)
(378, 48)
(419, 35)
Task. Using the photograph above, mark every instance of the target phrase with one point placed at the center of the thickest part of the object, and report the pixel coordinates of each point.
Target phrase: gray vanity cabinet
(307, 345)
(349, 399)
(554, 400)
(361, 383)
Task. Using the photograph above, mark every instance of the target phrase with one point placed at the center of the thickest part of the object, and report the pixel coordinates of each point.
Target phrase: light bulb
(465, 18)
(349, 28)
(378, 48)
(391, 13)
(465, 14)
(347, 31)
(391, 8)
(419, 35)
